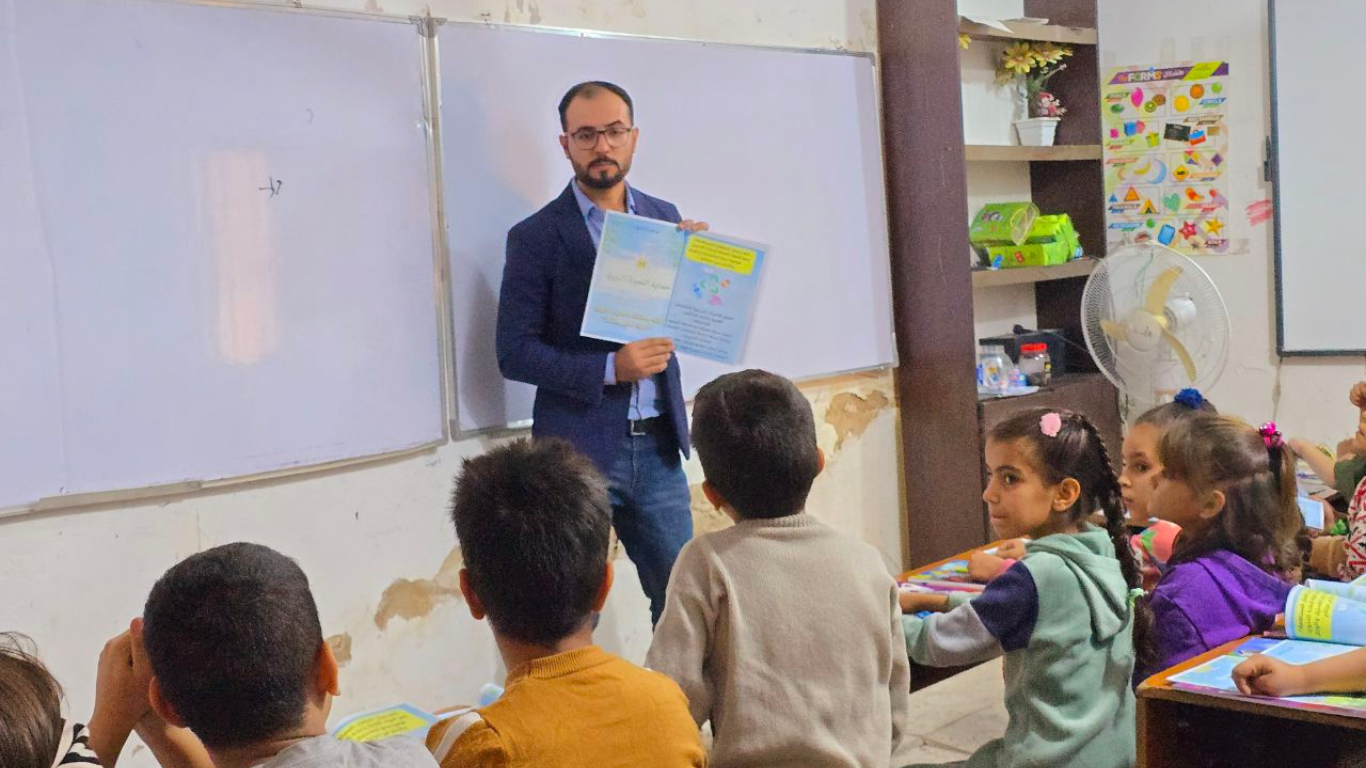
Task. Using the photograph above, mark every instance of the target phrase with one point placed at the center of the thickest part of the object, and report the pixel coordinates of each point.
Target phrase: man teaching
(621, 405)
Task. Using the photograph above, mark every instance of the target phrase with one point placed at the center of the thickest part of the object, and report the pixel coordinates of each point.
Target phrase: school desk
(923, 676)
(1186, 728)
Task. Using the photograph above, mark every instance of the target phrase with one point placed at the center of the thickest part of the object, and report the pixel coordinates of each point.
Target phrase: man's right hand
(641, 359)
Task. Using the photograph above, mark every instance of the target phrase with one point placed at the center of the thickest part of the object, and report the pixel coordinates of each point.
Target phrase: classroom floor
(955, 717)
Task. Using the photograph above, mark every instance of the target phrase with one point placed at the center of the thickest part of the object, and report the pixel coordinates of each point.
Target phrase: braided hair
(1079, 452)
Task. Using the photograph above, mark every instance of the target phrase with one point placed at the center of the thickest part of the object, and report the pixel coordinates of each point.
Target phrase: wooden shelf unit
(1002, 153)
(943, 425)
(992, 278)
(1028, 30)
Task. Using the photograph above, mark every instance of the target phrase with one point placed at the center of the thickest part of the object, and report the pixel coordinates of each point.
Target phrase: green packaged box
(1003, 224)
(1052, 240)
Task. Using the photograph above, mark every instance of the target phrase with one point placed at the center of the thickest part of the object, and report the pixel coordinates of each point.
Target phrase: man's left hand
(688, 225)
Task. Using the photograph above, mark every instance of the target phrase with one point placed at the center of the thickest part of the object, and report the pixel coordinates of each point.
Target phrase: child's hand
(1358, 394)
(121, 686)
(915, 602)
(1013, 549)
(983, 567)
(1264, 676)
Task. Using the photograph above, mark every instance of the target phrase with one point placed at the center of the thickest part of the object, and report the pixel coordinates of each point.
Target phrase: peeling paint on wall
(409, 599)
(705, 517)
(850, 414)
(341, 648)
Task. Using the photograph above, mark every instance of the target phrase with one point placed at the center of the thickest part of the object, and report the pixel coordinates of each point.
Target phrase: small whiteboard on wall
(216, 243)
(1317, 118)
(777, 146)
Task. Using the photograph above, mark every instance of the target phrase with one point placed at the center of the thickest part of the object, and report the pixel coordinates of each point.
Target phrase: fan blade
(1156, 302)
(1114, 330)
(1180, 350)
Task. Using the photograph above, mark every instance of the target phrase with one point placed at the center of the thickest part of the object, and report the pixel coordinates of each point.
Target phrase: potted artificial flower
(1028, 66)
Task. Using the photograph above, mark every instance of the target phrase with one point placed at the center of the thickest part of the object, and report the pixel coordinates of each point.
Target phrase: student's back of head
(756, 439)
(234, 642)
(30, 708)
(533, 519)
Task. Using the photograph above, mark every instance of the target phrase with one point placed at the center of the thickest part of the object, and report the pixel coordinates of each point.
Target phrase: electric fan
(1154, 322)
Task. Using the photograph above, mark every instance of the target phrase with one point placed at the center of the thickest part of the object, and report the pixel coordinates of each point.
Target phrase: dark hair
(756, 439)
(1079, 452)
(30, 706)
(590, 89)
(533, 518)
(1260, 517)
(233, 637)
(1164, 416)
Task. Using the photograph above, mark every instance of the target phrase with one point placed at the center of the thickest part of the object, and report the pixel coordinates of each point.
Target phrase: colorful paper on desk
(653, 280)
(951, 576)
(1313, 614)
(403, 719)
(1216, 676)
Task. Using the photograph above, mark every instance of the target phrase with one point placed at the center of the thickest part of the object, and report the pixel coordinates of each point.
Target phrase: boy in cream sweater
(783, 633)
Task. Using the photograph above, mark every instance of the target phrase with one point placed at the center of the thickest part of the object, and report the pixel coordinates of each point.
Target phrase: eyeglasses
(587, 138)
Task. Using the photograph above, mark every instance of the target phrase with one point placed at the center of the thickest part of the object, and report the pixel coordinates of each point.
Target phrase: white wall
(988, 113)
(1306, 396)
(373, 540)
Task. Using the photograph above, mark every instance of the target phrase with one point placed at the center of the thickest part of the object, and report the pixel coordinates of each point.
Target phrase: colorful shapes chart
(1166, 151)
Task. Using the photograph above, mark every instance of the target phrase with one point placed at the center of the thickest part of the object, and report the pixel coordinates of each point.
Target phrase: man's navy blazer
(549, 267)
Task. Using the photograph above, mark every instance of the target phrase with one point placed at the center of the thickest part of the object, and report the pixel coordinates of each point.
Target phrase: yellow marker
(714, 253)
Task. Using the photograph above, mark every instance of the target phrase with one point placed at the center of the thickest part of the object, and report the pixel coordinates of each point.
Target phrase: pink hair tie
(1050, 424)
(1270, 435)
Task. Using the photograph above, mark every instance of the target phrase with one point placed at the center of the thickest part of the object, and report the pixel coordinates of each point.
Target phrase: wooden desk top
(960, 556)
(1159, 687)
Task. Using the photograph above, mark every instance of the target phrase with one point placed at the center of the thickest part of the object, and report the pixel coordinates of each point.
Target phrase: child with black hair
(533, 520)
(1064, 615)
(1153, 546)
(782, 632)
(228, 669)
(1231, 489)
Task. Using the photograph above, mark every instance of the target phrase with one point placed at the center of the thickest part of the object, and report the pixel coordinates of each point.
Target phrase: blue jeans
(651, 509)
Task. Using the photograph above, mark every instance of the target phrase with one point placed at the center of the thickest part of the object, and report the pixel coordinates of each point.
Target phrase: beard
(601, 174)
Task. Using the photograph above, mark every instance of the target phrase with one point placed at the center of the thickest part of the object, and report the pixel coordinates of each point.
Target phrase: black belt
(651, 426)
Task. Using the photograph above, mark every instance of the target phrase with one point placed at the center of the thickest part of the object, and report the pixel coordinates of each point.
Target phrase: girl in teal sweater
(1063, 616)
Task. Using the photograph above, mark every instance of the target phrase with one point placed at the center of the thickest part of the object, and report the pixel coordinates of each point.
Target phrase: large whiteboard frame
(428, 26)
(456, 427)
(424, 32)
(1288, 344)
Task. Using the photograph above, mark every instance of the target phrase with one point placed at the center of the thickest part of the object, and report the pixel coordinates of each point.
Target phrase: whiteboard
(1318, 172)
(777, 146)
(220, 223)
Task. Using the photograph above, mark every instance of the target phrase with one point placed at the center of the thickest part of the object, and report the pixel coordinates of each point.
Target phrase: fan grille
(1194, 312)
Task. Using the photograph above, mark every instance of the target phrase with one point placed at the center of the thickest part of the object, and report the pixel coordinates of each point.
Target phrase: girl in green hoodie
(1063, 616)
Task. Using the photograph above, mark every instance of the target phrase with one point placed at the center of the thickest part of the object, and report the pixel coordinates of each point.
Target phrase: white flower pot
(1037, 131)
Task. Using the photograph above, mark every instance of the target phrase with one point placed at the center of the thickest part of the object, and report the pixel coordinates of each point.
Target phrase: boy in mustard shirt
(533, 522)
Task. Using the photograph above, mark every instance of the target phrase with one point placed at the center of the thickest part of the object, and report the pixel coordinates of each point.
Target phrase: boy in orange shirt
(533, 521)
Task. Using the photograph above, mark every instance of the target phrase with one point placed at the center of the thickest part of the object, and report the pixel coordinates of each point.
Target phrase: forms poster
(1166, 138)
(653, 280)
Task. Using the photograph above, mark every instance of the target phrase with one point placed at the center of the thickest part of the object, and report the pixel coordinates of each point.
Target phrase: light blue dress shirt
(645, 394)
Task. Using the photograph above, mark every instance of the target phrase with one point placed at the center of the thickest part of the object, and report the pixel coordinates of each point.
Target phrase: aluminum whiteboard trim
(525, 424)
(191, 487)
(296, 8)
(604, 35)
(431, 108)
